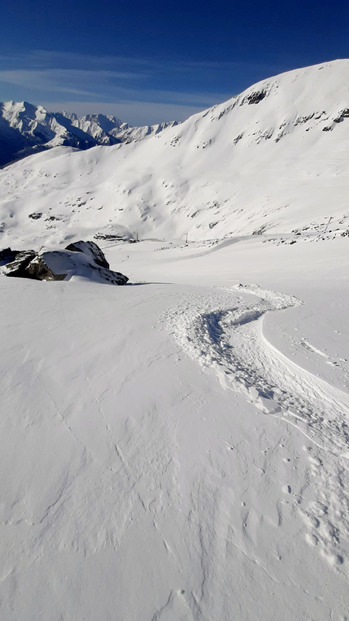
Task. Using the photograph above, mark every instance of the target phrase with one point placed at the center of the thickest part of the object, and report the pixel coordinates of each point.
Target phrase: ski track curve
(229, 339)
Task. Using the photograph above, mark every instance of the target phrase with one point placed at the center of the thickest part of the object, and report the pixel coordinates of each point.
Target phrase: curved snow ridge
(299, 393)
(332, 404)
(230, 340)
(204, 332)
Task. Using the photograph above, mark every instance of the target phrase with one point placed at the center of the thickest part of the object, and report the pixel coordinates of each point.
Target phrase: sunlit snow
(177, 448)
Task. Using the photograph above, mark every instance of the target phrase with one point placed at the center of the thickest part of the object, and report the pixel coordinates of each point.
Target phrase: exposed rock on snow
(7, 255)
(91, 250)
(255, 98)
(18, 266)
(80, 259)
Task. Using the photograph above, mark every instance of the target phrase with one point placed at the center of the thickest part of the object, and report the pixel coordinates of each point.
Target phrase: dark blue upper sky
(148, 62)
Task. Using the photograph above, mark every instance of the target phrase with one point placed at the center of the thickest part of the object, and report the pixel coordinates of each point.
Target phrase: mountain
(110, 130)
(26, 129)
(177, 448)
(273, 159)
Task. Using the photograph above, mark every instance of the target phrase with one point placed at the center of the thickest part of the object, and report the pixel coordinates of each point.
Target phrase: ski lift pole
(329, 220)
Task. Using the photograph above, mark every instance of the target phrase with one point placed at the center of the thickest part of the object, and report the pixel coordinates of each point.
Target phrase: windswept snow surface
(178, 448)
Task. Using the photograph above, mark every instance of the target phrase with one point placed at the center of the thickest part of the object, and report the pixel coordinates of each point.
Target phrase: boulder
(8, 255)
(18, 267)
(90, 249)
(81, 259)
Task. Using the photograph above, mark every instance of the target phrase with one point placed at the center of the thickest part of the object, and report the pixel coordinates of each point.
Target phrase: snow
(177, 448)
(27, 129)
(196, 178)
(171, 449)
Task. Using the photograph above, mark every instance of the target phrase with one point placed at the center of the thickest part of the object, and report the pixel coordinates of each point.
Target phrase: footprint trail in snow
(229, 339)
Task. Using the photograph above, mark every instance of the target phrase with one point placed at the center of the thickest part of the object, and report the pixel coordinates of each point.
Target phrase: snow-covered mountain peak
(315, 96)
(106, 122)
(272, 159)
(22, 114)
(26, 129)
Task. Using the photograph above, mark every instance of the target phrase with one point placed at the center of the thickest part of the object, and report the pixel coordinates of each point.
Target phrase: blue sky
(157, 61)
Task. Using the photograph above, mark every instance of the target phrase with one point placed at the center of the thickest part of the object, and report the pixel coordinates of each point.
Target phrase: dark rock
(7, 255)
(114, 278)
(18, 267)
(36, 215)
(92, 250)
(238, 138)
(255, 97)
(344, 114)
(38, 270)
(83, 259)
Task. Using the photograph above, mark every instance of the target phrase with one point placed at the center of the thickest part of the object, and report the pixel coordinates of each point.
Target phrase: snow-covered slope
(177, 449)
(273, 159)
(26, 129)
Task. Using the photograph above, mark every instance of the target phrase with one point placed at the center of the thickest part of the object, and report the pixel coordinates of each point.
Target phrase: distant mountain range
(26, 129)
(273, 159)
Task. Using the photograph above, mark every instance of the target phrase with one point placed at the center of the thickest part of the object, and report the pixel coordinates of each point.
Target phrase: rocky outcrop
(18, 267)
(80, 259)
(255, 97)
(7, 255)
(92, 250)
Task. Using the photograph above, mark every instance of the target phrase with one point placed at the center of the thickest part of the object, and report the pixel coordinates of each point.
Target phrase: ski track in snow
(230, 340)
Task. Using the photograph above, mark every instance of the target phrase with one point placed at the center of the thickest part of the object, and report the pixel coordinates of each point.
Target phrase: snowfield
(177, 449)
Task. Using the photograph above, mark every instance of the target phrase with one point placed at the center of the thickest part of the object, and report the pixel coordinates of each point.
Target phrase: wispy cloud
(54, 59)
(69, 81)
(130, 84)
(65, 80)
